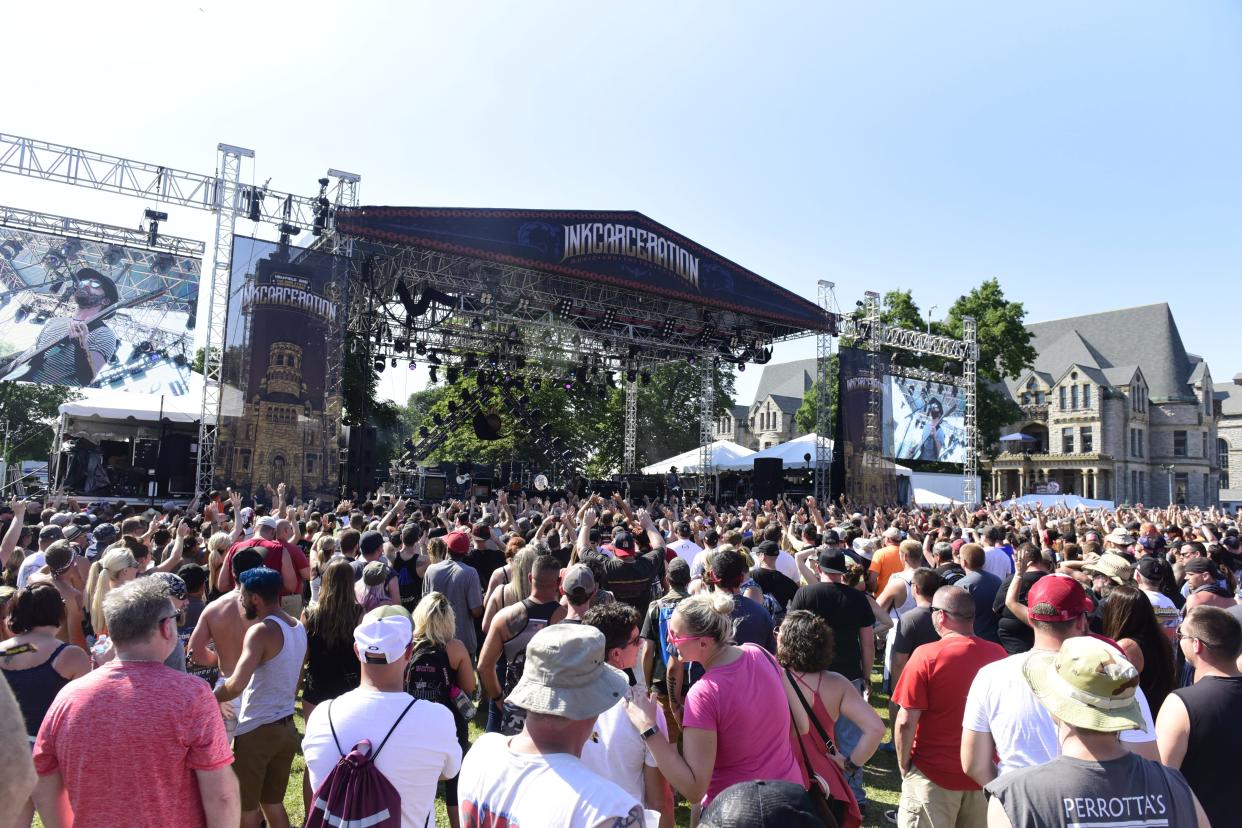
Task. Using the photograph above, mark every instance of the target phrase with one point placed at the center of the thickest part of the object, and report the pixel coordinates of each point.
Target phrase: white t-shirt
(31, 565)
(997, 561)
(787, 566)
(421, 750)
(617, 751)
(686, 549)
(1000, 702)
(525, 790)
(1167, 612)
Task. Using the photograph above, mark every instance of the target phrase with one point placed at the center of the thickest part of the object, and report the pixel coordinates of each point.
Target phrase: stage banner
(91, 314)
(281, 376)
(870, 479)
(625, 248)
(924, 420)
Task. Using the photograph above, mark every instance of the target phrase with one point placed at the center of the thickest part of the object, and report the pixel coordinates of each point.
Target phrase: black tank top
(35, 688)
(1214, 705)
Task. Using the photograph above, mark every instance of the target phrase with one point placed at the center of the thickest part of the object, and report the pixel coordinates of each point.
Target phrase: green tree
(807, 415)
(29, 413)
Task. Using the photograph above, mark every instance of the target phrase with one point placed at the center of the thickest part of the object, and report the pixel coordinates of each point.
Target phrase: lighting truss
(94, 231)
(927, 375)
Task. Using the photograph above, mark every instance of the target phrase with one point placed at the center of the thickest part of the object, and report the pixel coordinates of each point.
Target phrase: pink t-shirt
(127, 739)
(745, 704)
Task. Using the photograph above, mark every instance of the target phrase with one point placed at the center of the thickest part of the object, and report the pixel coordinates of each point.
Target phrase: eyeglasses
(678, 640)
(637, 637)
(942, 609)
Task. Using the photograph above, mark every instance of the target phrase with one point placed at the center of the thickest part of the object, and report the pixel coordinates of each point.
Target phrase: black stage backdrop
(869, 478)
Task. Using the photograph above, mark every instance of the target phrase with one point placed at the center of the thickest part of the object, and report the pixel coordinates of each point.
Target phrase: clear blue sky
(1086, 154)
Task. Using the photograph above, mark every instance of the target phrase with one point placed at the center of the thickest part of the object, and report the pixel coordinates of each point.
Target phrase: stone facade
(1229, 441)
(1112, 414)
(769, 420)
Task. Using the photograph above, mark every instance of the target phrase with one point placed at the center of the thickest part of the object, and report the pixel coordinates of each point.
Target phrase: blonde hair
(518, 588)
(220, 542)
(117, 553)
(708, 614)
(437, 549)
(435, 622)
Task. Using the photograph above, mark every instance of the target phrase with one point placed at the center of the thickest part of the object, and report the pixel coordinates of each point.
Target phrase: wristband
(649, 732)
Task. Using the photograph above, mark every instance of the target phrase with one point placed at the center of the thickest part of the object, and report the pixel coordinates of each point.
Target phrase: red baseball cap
(458, 542)
(1057, 597)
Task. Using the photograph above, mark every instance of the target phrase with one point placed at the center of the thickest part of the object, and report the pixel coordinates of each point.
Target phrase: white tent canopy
(924, 497)
(113, 404)
(724, 454)
(792, 454)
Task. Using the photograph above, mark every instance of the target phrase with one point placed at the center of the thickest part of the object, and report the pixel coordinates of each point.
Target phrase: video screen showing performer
(72, 349)
(94, 314)
(926, 421)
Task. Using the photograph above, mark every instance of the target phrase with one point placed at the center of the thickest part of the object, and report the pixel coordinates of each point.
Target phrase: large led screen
(924, 421)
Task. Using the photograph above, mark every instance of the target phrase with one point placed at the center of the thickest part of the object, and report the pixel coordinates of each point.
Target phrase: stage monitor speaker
(359, 458)
(146, 454)
(435, 488)
(487, 425)
(768, 482)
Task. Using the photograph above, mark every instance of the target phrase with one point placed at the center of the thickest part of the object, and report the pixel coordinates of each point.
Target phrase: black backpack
(428, 676)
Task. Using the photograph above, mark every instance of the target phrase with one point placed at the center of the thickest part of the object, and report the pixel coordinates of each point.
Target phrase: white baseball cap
(383, 635)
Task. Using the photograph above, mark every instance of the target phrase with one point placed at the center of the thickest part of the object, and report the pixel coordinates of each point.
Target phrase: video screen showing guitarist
(76, 350)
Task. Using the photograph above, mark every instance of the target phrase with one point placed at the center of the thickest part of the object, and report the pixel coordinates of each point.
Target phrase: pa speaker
(487, 426)
(768, 482)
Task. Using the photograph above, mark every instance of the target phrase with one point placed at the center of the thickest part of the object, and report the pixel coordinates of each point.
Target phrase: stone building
(769, 419)
(1229, 441)
(1114, 408)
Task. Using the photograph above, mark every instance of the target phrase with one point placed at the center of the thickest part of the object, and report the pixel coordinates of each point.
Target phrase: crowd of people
(1043, 667)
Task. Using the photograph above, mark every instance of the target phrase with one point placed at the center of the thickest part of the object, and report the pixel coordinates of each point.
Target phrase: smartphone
(557, 511)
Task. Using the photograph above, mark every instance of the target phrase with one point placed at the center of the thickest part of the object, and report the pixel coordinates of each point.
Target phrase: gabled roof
(1146, 336)
(790, 379)
(1229, 394)
(788, 405)
(1122, 374)
(740, 412)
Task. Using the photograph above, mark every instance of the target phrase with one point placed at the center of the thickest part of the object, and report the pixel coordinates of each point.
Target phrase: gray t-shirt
(59, 365)
(1120, 793)
(459, 583)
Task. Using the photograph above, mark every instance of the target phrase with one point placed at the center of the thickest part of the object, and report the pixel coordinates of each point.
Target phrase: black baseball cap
(831, 560)
(769, 548)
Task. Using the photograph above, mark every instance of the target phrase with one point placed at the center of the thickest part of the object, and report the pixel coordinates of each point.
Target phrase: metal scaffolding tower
(630, 455)
(825, 393)
(970, 470)
(707, 418)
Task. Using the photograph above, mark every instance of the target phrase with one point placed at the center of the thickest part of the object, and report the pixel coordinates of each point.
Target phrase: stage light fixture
(394, 362)
(610, 317)
(692, 360)
(569, 385)
(667, 330)
(580, 373)
(519, 362)
(9, 249)
(513, 334)
(565, 308)
(472, 361)
(433, 358)
(645, 377)
(424, 432)
(476, 324)
(741, 366)
(379, 365)
(536, 384)
(493, 359)
(413, 365)
(523, 400)
(437, 418)
(467, 395)
(631, 375)
(452, 374)
(420, 348)
(398, 346)
(70, 249)
(431, 374)
(255, 198)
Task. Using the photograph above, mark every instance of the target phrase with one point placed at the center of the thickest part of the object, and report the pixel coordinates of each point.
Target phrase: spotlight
(610, 317)
(741, 366)
(431, 373)
(519, 362)
(536, 384)
(493, 359)
(569, 385)
(472, 361)
(580, 373)
(692, 360)
(256, 203)
(645, 377)
(70, 249)
(399, 346)
(631, 375)
(667, 330)
(413, 365)
(433, 358)
(420, 348)
(565, 308)
(476, 324)
(408, 445)
(452, 373)
(379, 365)
(9, 249)
(467, 395)
(424, 432)
(513, 334)
(394, 362)
(437, 418)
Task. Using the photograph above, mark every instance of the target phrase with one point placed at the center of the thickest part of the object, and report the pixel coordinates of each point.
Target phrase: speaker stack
(768, 482)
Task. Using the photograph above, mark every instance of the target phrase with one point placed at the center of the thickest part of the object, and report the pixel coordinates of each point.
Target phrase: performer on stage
(84, 350)
(672, 486)
(932, 442)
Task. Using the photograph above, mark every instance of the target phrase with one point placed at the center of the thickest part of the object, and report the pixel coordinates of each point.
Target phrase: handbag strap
(810, 714)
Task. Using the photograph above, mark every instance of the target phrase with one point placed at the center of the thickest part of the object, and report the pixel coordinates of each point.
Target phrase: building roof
(740, 412)
(1144, 336)
(789, 379)
(788, 405)
(1229, 394)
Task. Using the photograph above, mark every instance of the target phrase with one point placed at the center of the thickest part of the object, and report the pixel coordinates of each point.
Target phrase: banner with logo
(625, 249)
(281, 376)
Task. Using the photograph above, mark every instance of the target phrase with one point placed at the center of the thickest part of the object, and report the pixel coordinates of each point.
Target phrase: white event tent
(725, 453)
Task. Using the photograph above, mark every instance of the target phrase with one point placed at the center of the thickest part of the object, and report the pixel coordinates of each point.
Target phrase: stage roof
(624, 249)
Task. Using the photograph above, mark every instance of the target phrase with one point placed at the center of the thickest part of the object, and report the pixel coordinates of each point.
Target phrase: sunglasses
(678, 640)
(92, 283)
(942, 609)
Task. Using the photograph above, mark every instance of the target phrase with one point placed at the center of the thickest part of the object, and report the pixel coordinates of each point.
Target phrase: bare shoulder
(72, 662)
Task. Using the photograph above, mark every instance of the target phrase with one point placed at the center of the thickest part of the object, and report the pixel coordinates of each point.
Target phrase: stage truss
(473, 314)
(221, 193)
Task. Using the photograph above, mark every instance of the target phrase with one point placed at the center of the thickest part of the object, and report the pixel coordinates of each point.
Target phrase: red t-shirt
(271, 557)
(936, 680)
(127, 739)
